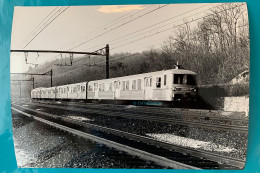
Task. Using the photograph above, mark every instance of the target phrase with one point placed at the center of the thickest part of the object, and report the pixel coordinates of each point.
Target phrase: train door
(95, 91)
(78, 92)
(117, 89)
(68, 90)
(148, 90)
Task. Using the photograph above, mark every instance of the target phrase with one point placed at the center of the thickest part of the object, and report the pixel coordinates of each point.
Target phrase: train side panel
(77, 91)
(138, 87)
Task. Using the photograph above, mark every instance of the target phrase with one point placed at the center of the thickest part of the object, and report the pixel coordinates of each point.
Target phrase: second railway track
(144, 116)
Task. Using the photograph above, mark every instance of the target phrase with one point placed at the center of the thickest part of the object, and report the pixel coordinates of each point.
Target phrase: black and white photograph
(145, 86)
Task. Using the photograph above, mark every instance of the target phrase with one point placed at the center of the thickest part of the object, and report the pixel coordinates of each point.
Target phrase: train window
(191, 80)
(82, 88)
(165, 78)
(123, 85)
(184, 79)
(151, 81)
(115, 84)
(106, 86)
(95, 86)
(138, 84)
(158, 82)
(147, 82)
(110, 87)
(90, 87)
(178, 79)
(127, 85)
(103, 86)
(134, 85)
(78, 88)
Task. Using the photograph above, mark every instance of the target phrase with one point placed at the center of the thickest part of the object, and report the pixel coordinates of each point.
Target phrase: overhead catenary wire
(111, 23)
(163, 31)
(119, 26)
(115, 28)
(45, 26)
(157, 24)
(142, 34)
(126, 16)
(38, 26)
(158, 32)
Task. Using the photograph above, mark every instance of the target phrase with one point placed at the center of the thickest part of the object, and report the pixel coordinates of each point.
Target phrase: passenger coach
(168, 85)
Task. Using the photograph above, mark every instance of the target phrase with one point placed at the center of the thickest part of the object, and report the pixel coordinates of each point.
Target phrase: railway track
(237, 163)
(170, 112)
(94, 109)
(201, 113)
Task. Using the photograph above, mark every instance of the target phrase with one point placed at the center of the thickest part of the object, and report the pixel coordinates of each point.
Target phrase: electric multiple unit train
(166, 86)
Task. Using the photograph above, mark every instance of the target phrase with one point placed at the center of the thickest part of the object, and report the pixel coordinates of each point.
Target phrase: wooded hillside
(215, 47)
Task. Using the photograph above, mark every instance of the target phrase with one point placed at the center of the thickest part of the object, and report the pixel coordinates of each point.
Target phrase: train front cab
(171, 85)
(184, 87)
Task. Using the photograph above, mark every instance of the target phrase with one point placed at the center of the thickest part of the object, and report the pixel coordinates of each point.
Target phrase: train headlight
(193, 89)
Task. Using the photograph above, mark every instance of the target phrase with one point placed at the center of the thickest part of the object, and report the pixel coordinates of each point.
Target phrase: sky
(126, 28)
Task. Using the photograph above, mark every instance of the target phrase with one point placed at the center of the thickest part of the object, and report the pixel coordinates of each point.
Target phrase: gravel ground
(41, 146)
(220, 139)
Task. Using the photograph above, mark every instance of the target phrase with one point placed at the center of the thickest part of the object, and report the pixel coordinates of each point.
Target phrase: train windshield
(184, 79)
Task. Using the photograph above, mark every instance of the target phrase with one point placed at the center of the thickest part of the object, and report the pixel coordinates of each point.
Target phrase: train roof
(38, 88)
(173, 71)
(72, 84)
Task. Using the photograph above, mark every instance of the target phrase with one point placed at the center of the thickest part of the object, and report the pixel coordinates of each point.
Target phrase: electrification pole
(51, 76)
(33, 81)
(107, 61)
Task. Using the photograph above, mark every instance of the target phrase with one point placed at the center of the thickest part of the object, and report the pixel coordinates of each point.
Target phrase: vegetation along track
(204, 121)
(193, 152)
